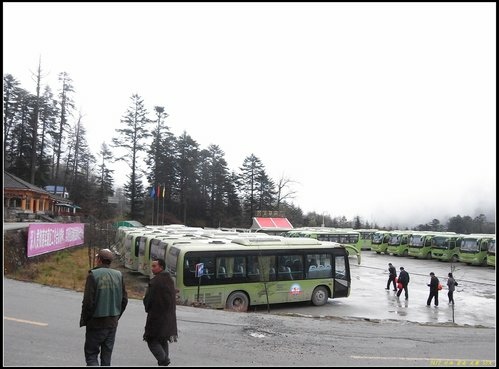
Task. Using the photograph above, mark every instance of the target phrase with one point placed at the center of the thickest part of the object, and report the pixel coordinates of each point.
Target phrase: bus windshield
(470, 244)
(440, 242)
(492, 247)
(394, 240)
(379, 238)
(416, 241)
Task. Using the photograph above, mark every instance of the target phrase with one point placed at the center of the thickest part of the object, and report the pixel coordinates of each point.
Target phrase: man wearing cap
(104, 301)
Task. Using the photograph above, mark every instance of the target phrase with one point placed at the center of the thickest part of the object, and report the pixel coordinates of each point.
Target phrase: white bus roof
(246, 246)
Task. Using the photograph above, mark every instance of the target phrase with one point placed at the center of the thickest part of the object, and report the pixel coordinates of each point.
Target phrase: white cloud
(381, 110)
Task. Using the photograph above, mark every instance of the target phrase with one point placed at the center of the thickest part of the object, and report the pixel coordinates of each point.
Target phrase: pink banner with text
(47, 237)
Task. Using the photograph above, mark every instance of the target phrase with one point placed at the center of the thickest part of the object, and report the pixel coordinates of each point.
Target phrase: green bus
(366, 236)
(239, 273)
(346, 237)
(120, 238)
(154, 243)
(420, 245)
(130, 248)
(379, 243)
(153, 246)
(445, 247)
(398, 244)
(473, 249)
(491, 254)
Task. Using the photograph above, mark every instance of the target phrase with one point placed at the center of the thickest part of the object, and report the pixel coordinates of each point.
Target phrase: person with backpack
(451, 284)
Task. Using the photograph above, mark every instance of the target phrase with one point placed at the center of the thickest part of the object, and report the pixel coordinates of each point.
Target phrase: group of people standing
(402, 282)
(105, 299)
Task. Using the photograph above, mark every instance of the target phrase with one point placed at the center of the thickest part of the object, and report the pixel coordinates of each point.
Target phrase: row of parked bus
(355, 240)
(472, 249)
(234, 270)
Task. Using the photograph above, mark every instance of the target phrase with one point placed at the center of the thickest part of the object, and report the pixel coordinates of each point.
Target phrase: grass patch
(65, 268)
(69, 268)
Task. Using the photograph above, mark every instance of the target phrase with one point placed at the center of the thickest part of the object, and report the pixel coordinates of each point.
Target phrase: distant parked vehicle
(445, 247)
(491, 254)
(474, 248)
(399, 243)
(379, 242)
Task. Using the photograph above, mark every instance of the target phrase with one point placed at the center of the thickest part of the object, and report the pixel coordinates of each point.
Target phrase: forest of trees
(45, 144)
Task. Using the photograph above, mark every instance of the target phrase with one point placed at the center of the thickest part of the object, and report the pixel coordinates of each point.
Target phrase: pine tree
(132, 140)
(250, 173)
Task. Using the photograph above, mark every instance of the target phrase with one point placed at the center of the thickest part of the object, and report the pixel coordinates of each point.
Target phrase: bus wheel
(237, 301)
(454, 258)
(428, 256)
(405, 253)
(319, 296)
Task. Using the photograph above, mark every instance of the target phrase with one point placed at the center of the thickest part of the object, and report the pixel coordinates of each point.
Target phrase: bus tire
(405, 253)
(453, 259)
(237, 301)
(320, 296)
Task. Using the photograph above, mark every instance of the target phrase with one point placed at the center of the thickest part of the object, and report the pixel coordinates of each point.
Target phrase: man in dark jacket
(404, 281)
(391, 277)
(104, 301)
(160, 304)
(434, 282)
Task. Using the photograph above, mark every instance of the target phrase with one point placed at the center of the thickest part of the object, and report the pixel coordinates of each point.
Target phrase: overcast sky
(382, 110)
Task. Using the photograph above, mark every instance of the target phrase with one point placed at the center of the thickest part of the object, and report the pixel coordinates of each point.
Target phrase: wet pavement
(475, 296)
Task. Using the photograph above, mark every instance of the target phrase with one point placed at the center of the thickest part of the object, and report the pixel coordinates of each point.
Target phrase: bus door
(341, 277)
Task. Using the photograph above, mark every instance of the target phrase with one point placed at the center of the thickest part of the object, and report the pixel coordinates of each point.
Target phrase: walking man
(391, 277)
(434, 282)
(404, 281)
(160, 305)
(104, 301)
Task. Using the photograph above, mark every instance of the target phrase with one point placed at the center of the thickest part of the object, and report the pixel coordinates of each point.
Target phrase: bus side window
(221, 272)
(340, 267)
(209, 268)
(484, 246)
(297, 268)
(190, 272)
(272, 274)
(284, 274)
(254, 275)
(239, 270)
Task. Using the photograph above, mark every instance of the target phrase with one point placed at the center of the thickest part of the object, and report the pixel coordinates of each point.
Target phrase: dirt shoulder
(135, 282)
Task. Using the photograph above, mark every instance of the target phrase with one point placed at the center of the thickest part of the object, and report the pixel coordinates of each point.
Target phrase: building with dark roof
(23, 200)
